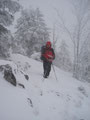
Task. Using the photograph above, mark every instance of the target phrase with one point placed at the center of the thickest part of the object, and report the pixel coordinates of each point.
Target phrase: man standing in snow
(47, 56)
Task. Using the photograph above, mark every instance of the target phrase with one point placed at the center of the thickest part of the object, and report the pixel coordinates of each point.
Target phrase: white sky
(50, 15)
(47, 8)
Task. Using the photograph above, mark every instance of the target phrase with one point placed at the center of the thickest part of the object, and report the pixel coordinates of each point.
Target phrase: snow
(42, 99)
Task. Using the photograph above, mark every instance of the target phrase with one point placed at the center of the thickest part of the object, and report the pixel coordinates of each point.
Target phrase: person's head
(48, 44)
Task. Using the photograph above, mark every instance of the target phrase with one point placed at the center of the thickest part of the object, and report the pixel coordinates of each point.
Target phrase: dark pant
(47, 68)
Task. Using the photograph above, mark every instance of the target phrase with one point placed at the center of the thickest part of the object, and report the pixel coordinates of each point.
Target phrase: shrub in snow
(21, 85)
(82, 90)
(36, 56)
(27, 77)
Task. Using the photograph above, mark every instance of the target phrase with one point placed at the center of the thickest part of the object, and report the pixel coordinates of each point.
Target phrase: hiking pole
(54, 72)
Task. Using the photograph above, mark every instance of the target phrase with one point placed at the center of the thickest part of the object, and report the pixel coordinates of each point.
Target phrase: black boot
(45, 74)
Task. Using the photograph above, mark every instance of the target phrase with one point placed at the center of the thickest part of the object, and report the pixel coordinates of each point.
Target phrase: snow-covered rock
(8, 74)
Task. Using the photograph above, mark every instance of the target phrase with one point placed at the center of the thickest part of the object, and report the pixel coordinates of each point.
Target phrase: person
(47, 56)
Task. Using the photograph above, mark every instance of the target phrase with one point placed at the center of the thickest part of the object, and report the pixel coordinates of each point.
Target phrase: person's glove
(49, 59)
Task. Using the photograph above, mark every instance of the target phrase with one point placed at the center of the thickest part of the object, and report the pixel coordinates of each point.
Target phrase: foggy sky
(47, 7)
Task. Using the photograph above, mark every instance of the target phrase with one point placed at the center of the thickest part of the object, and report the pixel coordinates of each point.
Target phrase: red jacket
(47, 54)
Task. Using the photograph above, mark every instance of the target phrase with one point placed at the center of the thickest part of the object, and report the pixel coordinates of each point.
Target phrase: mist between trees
(32, 32)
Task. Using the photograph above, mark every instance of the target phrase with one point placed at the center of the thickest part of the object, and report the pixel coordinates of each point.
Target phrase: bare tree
(54, 37)
(81, 10)
(63, 59)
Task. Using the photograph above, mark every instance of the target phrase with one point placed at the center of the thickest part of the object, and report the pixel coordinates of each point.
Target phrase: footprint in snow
(30, 102)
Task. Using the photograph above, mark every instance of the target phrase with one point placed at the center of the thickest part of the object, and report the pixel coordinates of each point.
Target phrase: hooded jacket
(47, 54)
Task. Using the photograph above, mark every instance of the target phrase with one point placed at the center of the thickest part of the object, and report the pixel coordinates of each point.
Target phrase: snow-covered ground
(42, 99)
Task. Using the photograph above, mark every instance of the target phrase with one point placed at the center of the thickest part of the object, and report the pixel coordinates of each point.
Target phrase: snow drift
(42, 99)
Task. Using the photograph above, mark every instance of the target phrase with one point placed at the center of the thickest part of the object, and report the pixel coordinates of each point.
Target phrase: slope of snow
(42, 99)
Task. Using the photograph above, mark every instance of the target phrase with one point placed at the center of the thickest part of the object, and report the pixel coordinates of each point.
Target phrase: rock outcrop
(8, 74)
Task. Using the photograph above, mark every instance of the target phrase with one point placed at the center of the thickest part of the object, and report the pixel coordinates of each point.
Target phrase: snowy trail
(67, 99)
